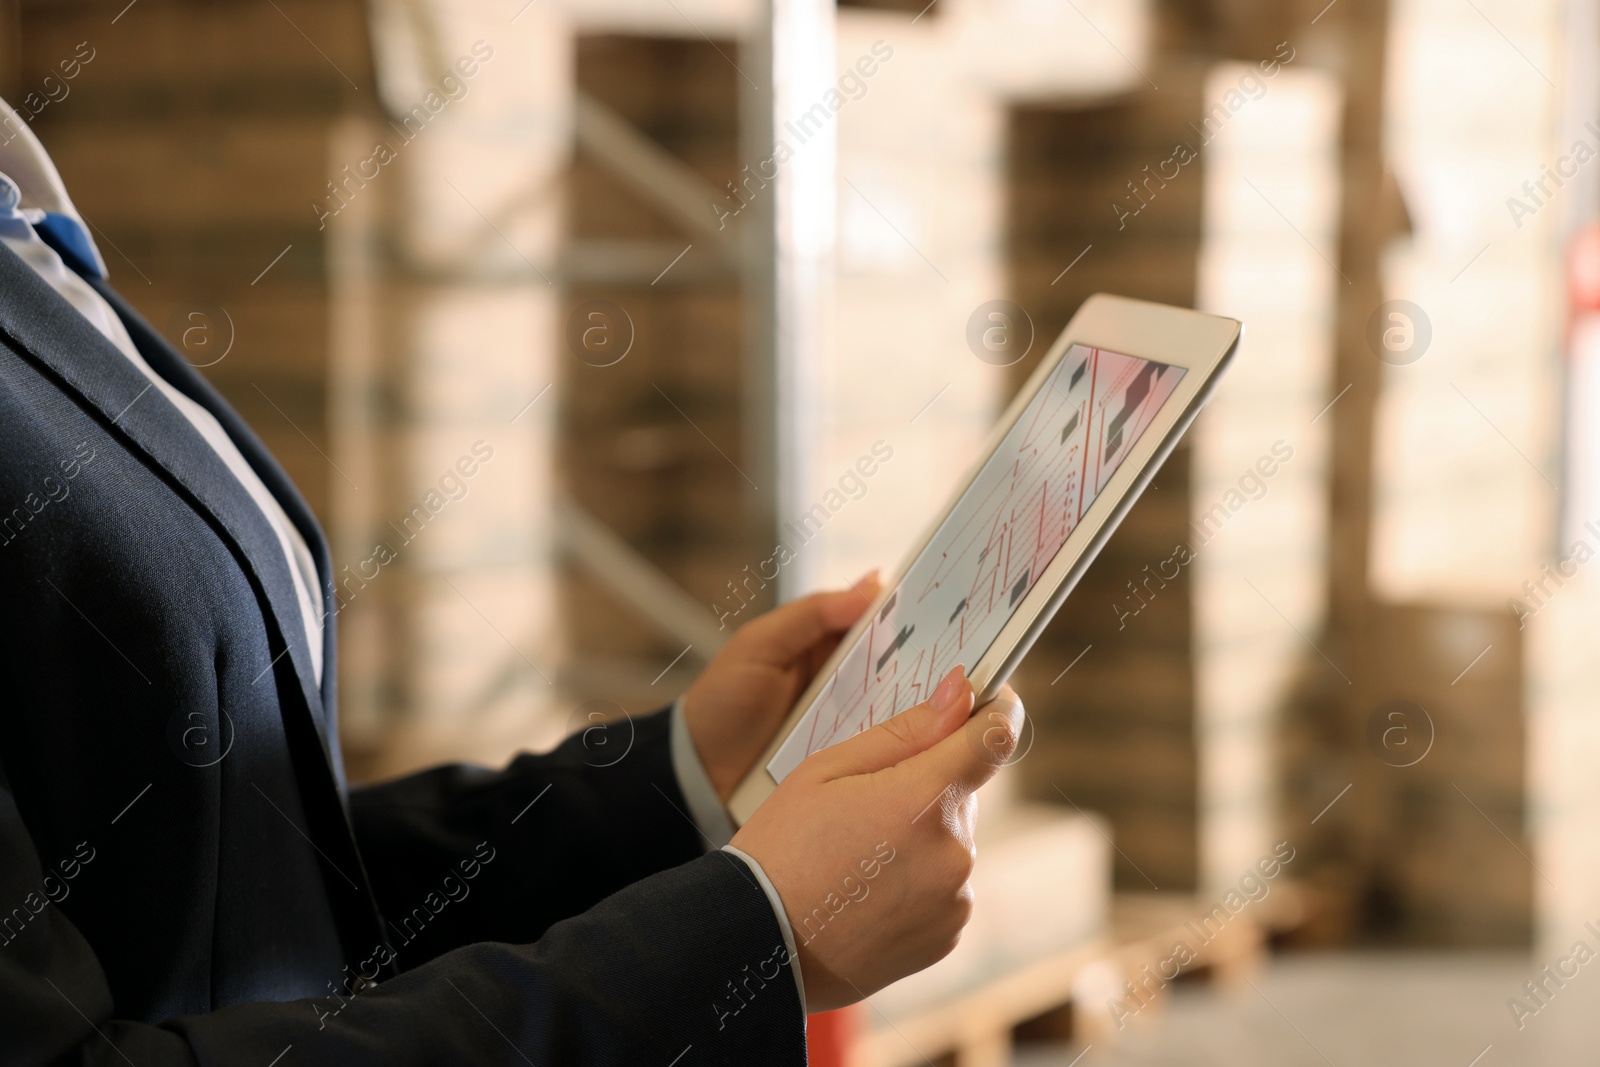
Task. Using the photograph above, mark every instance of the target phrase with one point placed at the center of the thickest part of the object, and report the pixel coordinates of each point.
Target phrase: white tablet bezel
(1201, 344)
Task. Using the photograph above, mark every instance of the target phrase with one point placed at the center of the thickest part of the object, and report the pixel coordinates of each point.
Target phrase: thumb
(989, 743)
(902, 736)
(790, 629)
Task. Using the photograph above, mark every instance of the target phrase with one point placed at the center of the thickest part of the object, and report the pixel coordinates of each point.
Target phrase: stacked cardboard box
(1116, 731)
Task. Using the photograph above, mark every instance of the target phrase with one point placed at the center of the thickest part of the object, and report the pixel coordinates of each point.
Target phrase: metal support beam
(664, 180)
(634, 580)
(786, 66)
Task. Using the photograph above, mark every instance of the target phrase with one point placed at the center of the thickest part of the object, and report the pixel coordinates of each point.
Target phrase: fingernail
(871, 576)
(950, 690)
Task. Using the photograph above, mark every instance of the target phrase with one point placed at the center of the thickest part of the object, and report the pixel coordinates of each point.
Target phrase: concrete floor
(1362, 1010)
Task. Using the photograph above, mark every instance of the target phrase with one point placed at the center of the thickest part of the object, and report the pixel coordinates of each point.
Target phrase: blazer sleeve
(685, 966)
(502, 855)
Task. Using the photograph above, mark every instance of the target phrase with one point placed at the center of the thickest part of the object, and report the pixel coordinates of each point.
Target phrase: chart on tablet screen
(956, 598)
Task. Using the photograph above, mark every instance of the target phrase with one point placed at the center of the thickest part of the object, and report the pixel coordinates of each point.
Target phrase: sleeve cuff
(705, 808)
(782, 917)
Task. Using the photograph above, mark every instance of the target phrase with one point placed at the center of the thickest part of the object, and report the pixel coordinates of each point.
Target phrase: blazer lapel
(44, 327)
(167, 362)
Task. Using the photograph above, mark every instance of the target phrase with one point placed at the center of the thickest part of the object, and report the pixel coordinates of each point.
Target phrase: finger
(913, 731)
(1001, 720)
(970, 756)
(791, 629)
(868, 586)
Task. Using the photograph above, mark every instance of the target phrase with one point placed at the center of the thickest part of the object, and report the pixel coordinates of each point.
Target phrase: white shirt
(30, 186)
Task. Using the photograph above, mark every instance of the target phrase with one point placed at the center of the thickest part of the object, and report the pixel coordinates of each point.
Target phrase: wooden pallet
(1064, 994)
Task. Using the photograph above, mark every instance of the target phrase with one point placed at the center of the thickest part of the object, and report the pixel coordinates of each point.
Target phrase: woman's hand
(869, 843)
(741, 698)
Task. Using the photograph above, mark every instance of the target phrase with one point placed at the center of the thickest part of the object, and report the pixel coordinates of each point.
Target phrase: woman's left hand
(741, 698)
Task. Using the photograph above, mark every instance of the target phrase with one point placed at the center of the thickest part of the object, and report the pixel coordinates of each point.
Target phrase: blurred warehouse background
(658, 272)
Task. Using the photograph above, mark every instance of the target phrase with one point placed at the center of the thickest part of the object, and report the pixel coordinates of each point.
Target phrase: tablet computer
(1071, 454)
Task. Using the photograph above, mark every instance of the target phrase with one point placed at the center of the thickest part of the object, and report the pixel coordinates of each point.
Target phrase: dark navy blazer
(184, 878)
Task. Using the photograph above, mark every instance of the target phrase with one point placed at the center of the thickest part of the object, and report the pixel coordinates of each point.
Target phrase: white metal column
(786, 66)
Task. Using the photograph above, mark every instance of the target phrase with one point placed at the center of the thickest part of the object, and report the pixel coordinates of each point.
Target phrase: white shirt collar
(24, 160)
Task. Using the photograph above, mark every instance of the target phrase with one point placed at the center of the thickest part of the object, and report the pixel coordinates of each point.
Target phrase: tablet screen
(1025, 502)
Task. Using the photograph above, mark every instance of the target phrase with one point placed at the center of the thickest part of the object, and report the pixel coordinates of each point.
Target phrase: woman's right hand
(897, 801)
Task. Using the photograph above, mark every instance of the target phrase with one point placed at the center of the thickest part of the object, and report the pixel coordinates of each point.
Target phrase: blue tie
(71, 243)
